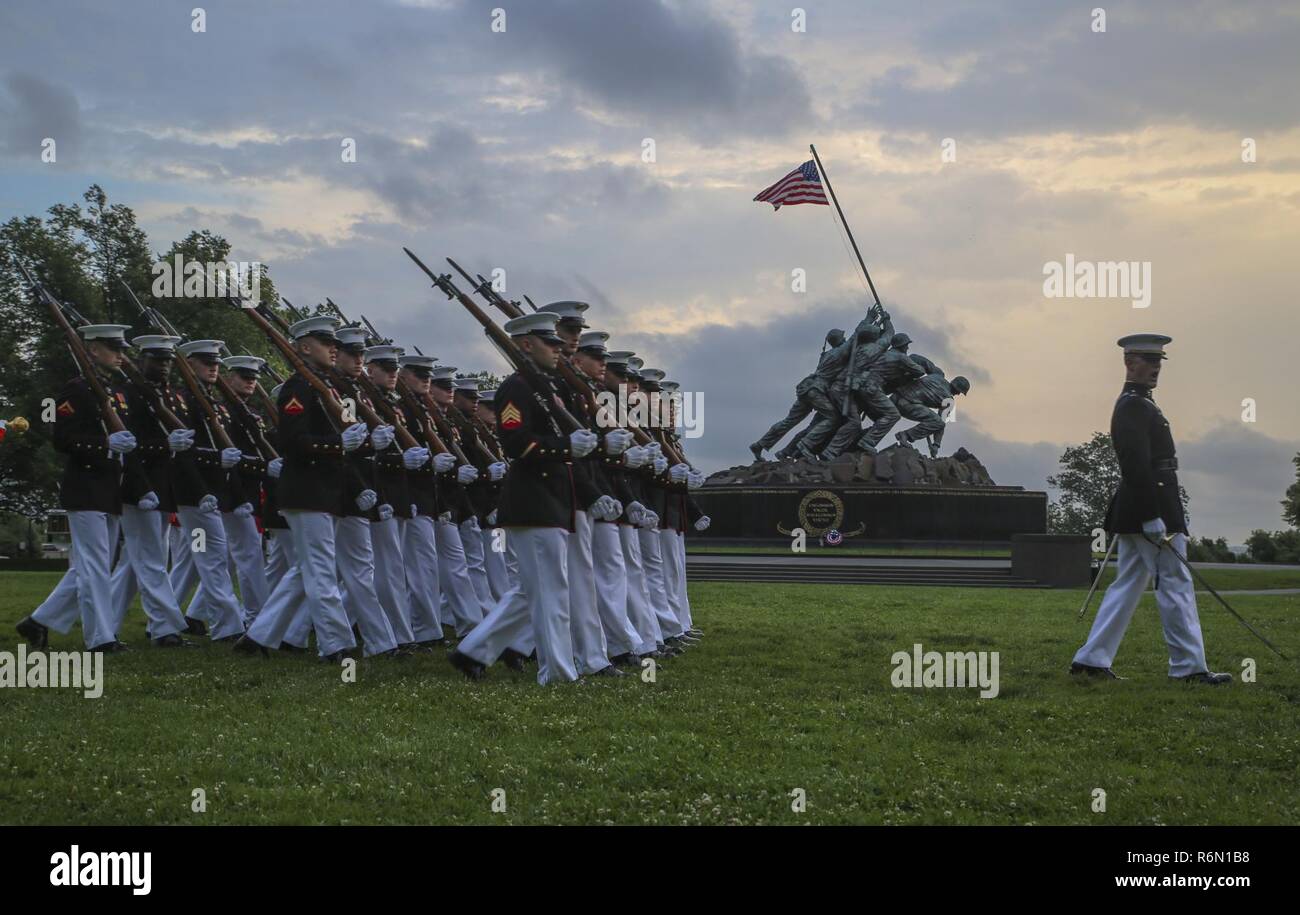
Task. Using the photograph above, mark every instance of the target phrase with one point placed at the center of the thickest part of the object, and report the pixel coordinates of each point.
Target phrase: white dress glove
(492, 517)
(582, 442)
(180, 439)
(445, 517)
(366, 499)
(385, 512)
(496, 471)
(354, 436)
(678, 473)
(606, 508)
(636, 456)
(121, 442)
(694, 480)
(655, 449)
(661, 464)
(243, 510)
(230, 457)
(635, 513)
(651, 520)
(208, 503)
(274, 468)
(1155, 527)
(617, 441)
(444, 462)
(415, 512)
(148, 502)
(414, 458)
(702, 523)
(381, 437)
(466, 474)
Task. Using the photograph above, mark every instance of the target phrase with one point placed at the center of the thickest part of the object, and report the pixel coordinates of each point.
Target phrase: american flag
(803, 185)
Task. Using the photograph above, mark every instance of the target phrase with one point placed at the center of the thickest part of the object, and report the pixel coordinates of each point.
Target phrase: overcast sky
(522, 149)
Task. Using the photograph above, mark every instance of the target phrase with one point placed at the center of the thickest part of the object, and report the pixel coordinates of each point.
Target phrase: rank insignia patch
(294, 406)
(511, 418)
(65, 408)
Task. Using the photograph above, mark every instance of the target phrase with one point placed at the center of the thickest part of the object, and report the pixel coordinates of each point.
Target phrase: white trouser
(590, 652)
(420, 554)
(280, 614)
(1138, 560)
(142, 567)
(494, 561)
(390, 578)
(685, 597)
(656, 586)
(184, 575)
(673, 575)
(215, 589)
(277, 558)
(453, 575)
(84, 590)
(355, 558)
(541, 598)
(471, 539)
(611, 589)
(313, 581)
(245, 544)
(639, 612)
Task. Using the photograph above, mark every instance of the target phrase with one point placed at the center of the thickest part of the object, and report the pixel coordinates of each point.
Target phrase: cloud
(33, 110)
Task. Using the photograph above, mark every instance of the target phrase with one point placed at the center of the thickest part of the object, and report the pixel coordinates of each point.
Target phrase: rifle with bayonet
(535, 377)
(112, 422)
(568, 372)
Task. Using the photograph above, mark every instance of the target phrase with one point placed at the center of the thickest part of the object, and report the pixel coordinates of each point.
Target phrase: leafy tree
(1088, 478)
(1279, 546)
(1291, 504)
(1207, 550)
(486, 380)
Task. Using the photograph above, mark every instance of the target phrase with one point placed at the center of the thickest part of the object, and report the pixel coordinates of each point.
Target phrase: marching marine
(1146, 517)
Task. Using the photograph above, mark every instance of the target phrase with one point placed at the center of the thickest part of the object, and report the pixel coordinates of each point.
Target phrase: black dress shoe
(1103, 672)
(610, 671)
(625, 660)
(430, 645)
(37, 636)
(173, 641)
(288, 648)
(114, 647)
(356, 634)
(233, 637)
(472, 669)
(337, 657)
(514, 660)
(195, 627)
(245, 645)
(1206, 678)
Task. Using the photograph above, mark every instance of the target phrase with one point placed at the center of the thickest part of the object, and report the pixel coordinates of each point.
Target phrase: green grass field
(790, 689)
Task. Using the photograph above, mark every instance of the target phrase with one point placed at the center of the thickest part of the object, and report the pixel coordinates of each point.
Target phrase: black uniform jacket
(589, 482)
(1147, 464)
(390, 470)
(92, 476)
(453, 496)
(251, 469)
(149, 466)
(205, 475)
(538, 491)
(483, 492)
(314, 472)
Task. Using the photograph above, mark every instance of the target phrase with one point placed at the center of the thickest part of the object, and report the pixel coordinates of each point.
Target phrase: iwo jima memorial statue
(835, 479)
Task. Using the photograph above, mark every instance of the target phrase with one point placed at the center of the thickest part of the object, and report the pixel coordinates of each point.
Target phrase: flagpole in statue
(826, 179)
